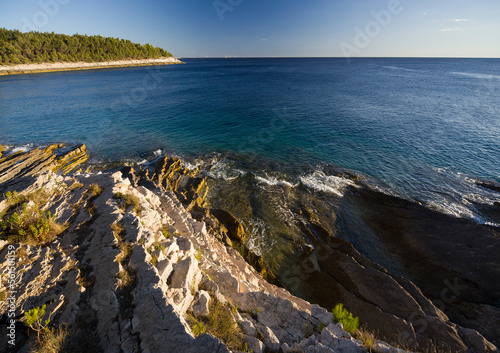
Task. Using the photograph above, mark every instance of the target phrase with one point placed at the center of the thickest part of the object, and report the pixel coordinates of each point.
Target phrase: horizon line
(336, 57)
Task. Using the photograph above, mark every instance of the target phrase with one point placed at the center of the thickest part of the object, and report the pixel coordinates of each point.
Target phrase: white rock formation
(82, 277)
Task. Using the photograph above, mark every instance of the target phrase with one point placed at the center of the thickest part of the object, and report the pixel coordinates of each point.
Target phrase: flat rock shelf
(67, 66)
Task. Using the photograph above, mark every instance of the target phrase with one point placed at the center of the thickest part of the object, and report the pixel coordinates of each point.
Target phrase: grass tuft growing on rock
(94, 190)
(51, 341)
(118, 231)
(39, 197)
(343, 316)
(198, 255)
(128, 277)
(76, 185)
(165, 232)
(128, 200)
(368, 339)
(199, 329)
(219, 323)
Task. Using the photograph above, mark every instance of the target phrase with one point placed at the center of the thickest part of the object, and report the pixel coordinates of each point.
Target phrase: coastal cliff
(141, 264)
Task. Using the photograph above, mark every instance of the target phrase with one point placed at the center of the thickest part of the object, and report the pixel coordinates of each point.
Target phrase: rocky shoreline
(131, 276)
(68, 66)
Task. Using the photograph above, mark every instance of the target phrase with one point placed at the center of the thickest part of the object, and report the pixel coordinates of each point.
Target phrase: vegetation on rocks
(26, 222)
(128, 200)
(35, 47)
(219, 323)
(343, 316)
(49, 340)
(98, 282)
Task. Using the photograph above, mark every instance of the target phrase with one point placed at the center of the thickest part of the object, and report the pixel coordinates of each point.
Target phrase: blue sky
(200, 28)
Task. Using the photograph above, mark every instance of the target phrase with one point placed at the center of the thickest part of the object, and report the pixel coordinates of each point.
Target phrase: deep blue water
(422, 128)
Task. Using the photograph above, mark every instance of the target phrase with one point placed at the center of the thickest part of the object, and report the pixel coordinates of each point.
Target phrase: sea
(422, 129)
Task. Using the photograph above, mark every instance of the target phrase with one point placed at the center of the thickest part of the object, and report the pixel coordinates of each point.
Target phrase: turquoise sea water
(424, 129)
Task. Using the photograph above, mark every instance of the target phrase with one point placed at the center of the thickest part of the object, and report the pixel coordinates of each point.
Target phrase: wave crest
(327, 183)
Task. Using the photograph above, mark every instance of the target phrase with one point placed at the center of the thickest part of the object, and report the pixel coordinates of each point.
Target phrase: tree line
(17, 47)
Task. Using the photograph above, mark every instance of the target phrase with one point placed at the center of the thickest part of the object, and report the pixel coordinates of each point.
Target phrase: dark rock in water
(489, 185)
(235, 228)
(328, 270)
(490, 211)
(237, 234)
(455, 262)
(385, 303)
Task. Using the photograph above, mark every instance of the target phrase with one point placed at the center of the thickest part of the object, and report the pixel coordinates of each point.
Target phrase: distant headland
(43, 52)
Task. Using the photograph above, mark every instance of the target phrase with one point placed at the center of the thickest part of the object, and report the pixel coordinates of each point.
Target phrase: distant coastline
(69, 66)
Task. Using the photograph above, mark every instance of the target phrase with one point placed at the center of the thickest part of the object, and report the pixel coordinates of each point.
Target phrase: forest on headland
(17, 47)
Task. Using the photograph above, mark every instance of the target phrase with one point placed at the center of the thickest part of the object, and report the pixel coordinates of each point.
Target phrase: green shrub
(34, 319)
(48, 340)
(128, 200)
(343, 316)
(31, 225)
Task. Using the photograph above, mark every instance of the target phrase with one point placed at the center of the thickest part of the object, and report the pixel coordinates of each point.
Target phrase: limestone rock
(184, 273)
(248, 328)
(200, 307)
(382, 347)
(98, 277)
(321, 314)
(270, 340)
(254, 345)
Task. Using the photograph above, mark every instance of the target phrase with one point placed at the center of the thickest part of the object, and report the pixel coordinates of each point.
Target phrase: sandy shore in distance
(47, 67)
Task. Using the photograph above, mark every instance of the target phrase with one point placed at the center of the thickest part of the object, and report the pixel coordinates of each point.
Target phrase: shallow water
(424, 129)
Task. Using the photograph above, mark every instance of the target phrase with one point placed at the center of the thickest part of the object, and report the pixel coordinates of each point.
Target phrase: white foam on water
(23, 148)
(191, 166)
(452, 209)
(485, 200)
(479, 76)
(259, 237)
(459, 211)
(272, 181)
(222, 170)
(400, 68)
(157, 153)
(327, 183)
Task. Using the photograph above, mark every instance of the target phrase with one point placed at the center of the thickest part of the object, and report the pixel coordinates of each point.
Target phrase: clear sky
(200, 28)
